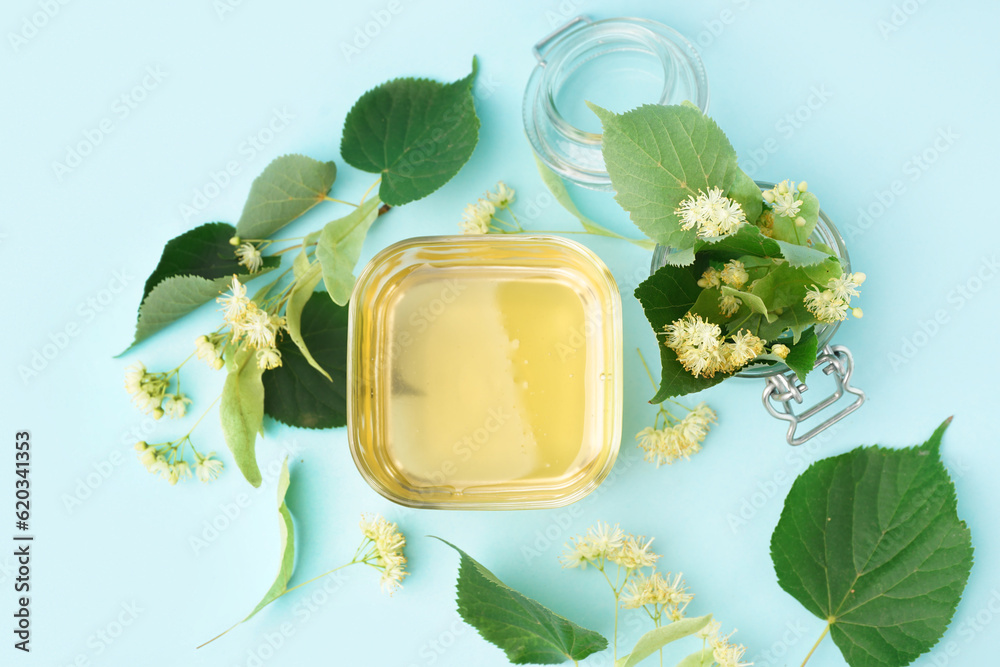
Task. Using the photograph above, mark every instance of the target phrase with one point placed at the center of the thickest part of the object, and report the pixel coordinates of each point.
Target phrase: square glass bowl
(485, 372)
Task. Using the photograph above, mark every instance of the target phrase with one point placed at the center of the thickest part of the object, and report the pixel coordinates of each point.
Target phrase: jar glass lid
(618, 64)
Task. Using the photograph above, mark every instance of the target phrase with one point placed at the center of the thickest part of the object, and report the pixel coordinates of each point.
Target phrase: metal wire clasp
(784, 388)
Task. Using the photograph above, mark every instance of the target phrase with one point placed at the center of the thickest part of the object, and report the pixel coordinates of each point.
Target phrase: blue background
(910, 105)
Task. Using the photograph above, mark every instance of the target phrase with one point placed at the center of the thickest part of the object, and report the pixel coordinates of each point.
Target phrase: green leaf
(870, 541)
(193, 269)
(526, 631)
(751, 301)
(802, 354)
(287, 188)
(657, 156)
(665, 297)
(241, 411)
(702, 658)
(800, 255)
(287, 532)
(746, 241)
(657, 638)
(785, 229)
(416, 133)
(339, 247)
(296, 393)
(747, 194)
(558, 189)
(307, 278)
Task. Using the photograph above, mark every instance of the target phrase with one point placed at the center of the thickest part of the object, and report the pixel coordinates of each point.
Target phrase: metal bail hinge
(566, 27)
(784, 388)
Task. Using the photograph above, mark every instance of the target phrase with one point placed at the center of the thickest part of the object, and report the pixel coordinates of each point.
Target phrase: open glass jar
(783, 390)
(617, 64)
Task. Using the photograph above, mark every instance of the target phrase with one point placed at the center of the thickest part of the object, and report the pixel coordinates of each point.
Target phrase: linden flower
(659, 591)
(678, 441)
(600, 543)
(208, 351)
(783, 197)
(780, 350)
(846, 286)
(259, 328)
(234, 304)
(475, 220)
(635, 553)
(502, 196)
(249, 256)
(712, 213)
(710, 278)
(175, 405)
(147, 454)
(387, 542)
(268, 358)
(744, 347)
(730, 655)
(729, 305)
(146, 389)
(734, 274)
(702, 349)
(207, 468)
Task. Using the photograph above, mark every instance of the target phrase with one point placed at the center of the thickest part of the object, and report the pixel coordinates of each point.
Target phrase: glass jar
(485, 372)
(783, 389)
(617, 64)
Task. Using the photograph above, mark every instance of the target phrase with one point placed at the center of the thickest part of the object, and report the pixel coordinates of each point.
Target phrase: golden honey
(485, 372)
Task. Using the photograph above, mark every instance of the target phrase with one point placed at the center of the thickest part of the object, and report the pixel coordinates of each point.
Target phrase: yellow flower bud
(857, 312)
(235, 241)
(803, 186)
(800, 221)
(859, 277)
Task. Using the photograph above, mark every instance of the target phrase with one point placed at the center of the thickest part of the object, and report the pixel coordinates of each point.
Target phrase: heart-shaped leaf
(526, 631)
(296, 393)
(194, 268)
(287, 188)
(416, 133)
(870, 541)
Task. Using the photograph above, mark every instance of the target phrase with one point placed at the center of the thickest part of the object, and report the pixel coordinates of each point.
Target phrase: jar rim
(573, 152)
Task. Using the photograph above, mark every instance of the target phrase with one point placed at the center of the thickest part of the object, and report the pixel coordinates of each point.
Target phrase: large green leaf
(194, 268)
(416, 133)
(665, 297)
(339, 247)
(526, 631)
(287, 188)
(287, 534)
(241, 411)
(296, 393)
(657, 638)
(870, 541)
(657, 156)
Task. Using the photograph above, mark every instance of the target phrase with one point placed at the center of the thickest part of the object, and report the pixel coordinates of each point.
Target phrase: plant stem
(341, 201)
(646, 366)
(210, 405)
(813, 649)
(370, 188)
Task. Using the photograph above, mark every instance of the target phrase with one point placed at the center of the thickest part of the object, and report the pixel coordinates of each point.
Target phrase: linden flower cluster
(166, 460)
(479, 216)
(248, 321)
(704, 351)
(733, 274)
(383, 550)
(149, 392)
(249, 256)
(712, 214)
(832, 303)
(785, 199)
(638, 585)
(678, 438)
